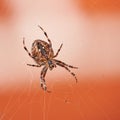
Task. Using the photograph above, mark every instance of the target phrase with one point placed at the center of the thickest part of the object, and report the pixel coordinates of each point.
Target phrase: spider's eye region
(51, 65)
(49, 62)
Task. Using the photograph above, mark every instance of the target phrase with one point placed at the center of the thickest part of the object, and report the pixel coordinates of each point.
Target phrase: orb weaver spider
(42, 53)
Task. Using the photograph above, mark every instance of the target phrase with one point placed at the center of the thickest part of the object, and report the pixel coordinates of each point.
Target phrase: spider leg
(43, 73)
(58, 51)
(39, 65)
(26, 48)
(34, 65)
(70, 66)
(46, 35)
(62, 65)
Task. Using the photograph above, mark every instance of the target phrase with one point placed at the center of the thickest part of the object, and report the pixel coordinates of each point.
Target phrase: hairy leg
(34, 65)
(26, 48)
(58, 51)
(62, 65)
(43, 73)
(45, 35)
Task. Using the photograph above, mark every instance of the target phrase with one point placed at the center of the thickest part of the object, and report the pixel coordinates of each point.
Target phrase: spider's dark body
(41, 51)
(43, 55)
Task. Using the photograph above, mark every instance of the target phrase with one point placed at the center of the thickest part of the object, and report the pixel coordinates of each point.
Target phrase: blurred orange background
(89, 31)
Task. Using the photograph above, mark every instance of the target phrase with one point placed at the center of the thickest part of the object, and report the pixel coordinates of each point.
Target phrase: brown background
(89, 31)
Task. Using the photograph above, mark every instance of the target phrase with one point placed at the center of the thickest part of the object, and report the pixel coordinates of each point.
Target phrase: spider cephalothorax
(43, 55)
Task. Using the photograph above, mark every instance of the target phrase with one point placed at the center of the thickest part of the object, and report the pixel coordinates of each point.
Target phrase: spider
(43, 54)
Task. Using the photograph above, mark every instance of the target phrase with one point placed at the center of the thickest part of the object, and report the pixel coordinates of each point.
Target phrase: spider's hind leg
(45, 35)
(26, 48)
(58, 51)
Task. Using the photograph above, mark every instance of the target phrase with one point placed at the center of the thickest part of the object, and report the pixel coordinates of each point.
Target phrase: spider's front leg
(64, 64)
(39, 65)
(66, 67)
(34, 65)
(42, 77)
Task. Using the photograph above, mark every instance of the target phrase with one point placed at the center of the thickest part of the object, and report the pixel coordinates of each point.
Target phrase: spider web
(47, 104)
(63, 96)
(10, 110)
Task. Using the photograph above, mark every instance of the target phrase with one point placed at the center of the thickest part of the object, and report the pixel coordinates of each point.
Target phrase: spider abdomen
(41, 51)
